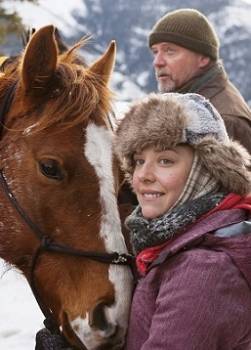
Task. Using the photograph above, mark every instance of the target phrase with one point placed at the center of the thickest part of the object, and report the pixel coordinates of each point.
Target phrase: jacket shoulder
(196, 267)
(234, 110)
(226, 98)
(198, 258)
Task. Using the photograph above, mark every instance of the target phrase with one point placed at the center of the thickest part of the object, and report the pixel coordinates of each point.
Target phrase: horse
(60, 224)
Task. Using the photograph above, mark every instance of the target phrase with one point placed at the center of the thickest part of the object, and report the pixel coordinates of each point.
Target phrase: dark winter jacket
(197, 293)
(228, 101)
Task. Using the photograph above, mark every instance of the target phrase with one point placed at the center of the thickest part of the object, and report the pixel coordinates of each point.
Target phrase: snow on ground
(20, 317)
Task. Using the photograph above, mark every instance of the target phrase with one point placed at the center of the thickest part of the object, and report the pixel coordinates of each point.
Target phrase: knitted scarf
(199, 183)
(147, 233)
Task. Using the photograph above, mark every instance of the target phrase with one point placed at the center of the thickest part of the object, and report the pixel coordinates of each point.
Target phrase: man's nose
(159, 60)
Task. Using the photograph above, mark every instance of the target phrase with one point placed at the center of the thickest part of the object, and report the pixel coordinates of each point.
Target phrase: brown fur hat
(167, 120)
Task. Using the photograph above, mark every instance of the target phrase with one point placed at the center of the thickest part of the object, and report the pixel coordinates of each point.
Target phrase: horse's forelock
(78, 94)
(75, 94)
(72, 56)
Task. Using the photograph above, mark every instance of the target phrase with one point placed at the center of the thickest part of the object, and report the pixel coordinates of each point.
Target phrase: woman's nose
(146, 173)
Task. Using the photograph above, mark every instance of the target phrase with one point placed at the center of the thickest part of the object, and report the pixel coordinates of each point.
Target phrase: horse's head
(56, 156)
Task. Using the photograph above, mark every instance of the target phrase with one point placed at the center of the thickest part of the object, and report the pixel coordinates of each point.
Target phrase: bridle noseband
(46, 243)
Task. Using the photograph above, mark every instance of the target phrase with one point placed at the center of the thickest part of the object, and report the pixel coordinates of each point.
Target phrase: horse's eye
(51, 169)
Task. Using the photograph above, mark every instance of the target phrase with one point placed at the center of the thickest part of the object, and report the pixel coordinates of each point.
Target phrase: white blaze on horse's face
(98, 151)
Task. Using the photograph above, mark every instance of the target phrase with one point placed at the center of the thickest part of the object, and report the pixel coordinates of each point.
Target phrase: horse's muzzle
(98, 331)
(112, 334)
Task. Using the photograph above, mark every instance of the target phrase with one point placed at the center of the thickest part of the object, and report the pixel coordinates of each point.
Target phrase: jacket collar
(196, 233)
(207, 78)
(232, 210)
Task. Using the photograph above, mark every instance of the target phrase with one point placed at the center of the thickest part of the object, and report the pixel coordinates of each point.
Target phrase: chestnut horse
(59, 218)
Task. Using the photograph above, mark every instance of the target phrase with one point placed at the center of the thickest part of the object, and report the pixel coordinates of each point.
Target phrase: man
(185, 51)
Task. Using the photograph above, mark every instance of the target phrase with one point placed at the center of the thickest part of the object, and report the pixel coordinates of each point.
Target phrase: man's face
(175, 66)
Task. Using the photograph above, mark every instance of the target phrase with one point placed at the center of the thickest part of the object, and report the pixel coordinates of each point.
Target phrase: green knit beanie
(188, 28)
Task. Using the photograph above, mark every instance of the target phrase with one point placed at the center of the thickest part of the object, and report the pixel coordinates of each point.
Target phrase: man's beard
(167, 85)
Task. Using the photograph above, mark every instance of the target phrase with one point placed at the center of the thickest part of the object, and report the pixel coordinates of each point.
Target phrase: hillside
(128, 22)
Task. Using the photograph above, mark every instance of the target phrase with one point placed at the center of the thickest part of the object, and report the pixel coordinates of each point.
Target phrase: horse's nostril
(98, 320)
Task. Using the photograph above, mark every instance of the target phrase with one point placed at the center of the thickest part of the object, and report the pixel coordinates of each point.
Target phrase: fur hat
(167, 120)
(188, 28)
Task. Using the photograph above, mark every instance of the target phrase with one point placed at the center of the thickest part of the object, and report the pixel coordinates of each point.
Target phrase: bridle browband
(46, 243)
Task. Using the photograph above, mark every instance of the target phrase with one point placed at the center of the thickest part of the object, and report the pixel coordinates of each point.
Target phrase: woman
(190, 232)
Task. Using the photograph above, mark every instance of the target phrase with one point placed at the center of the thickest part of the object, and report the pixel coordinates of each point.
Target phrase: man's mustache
(160, 73)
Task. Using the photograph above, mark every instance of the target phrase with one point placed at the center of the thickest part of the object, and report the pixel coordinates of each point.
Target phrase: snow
(227, 20)
(21, 317)
(61, 14)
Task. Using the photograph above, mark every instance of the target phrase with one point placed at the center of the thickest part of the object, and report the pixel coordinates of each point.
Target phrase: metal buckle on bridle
(121, 259)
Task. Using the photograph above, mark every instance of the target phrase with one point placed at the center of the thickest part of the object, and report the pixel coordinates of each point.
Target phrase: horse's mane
(76, 92)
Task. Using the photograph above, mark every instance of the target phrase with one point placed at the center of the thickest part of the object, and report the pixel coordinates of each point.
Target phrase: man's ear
(204, 61)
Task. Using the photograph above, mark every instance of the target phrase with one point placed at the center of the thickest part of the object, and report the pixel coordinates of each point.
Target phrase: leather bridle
(46, 243)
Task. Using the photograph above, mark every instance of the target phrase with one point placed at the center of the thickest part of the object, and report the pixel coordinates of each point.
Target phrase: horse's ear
(104, 65)
(39, 60)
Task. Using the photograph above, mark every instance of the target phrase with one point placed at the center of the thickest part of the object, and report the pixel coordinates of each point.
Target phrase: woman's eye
(51, 169)
(165, 161)
(138, 161)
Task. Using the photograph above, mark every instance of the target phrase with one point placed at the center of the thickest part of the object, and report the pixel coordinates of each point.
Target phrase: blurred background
(129, 22)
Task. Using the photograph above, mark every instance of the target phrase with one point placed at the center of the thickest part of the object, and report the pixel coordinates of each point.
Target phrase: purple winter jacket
(197, 294)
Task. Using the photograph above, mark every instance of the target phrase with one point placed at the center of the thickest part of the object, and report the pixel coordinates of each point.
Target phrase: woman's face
(160, 177)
